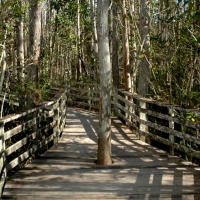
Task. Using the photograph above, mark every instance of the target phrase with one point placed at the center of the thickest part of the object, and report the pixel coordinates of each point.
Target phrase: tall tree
(20, 42)
(115, 45)
(145, 67)
(94, 38)
(104, 135)
(126, 52)
(36, 7)
(78, 41)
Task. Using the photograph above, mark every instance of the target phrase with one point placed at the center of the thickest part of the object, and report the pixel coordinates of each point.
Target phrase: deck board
(67, 170)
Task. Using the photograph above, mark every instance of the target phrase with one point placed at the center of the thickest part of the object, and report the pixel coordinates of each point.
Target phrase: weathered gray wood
(159, 115)
(55, 109)
(19, 144)
(19, 128)
(29, 152)
(27, 124)
(189, 152)
(84, 104)
(159, 103)
(162, 128)
(12, 117)
(3, 170)
(139, 171)
(171, 136)
(83, 90)
(84, 97)
(175, 118)
(142, 126)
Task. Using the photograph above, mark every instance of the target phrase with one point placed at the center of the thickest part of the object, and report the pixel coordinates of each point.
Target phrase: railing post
(68, 91)
(171, 126)
(128, 107)
(64, 98)
(3, 169)
(63, 117)
(126, 113)
(89, 97)
(143, 127)
(56, 108)
(115, 99)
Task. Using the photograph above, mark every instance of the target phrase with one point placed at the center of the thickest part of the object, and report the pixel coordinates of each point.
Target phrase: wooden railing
(26, 134)
(83, 95)
(176, 129)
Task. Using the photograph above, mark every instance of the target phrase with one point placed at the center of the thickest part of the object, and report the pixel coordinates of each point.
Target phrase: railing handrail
(138, 97)
(147, 123)
(132, 108)
(44, 123)
(159, 103)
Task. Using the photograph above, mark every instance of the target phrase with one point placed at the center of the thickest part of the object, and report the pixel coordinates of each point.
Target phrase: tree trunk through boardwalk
(104, 135)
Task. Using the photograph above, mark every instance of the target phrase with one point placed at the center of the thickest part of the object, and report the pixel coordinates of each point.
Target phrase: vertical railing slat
(3, 169)
(171, 126)
(143, 127)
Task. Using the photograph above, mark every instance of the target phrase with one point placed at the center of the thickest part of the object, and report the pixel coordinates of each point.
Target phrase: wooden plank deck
(67, 170)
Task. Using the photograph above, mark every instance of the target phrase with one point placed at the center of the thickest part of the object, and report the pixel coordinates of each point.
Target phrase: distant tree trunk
(104, 136)
(115, 45)
(79, 69)
(95, 42)
(126, 53)
(35, 38)
(20, 46)
(145, 67)
(3, 63)
(134, 58)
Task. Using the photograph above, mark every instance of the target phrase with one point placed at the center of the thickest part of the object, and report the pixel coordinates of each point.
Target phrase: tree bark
(3, 61)
(104, 135)
(79, 69)
(35, 38)
(20, 46)
(95, 37)
(115, 45)
(145, 67)
(126, 53)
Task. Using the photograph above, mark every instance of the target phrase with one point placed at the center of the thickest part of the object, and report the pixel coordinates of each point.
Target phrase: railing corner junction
(151, 120)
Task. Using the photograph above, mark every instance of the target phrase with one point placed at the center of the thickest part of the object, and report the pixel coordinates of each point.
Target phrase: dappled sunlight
(139, 171)
(146, 159)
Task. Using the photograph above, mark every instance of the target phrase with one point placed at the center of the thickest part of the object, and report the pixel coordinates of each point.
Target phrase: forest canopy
(154, 47)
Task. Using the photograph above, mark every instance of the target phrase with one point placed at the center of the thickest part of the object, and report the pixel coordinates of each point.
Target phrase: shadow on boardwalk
(67, 171)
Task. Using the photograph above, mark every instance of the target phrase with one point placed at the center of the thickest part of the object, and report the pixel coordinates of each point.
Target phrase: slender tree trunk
(3, 60)
(145, 67)
(20, 46)
(134, 37)
(126, 53)
(104, 136)
(35, 38)
(79, 70)
(95, 38)
(115, 45)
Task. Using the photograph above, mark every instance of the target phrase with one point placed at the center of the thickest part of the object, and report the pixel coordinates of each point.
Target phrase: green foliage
(175, 76)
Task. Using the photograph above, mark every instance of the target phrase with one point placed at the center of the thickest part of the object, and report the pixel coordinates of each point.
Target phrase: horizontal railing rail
(83, 94)
(171, 125)
(29, 132)
(175, 128)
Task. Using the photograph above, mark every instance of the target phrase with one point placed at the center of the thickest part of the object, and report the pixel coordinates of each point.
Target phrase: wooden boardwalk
(67, 171)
